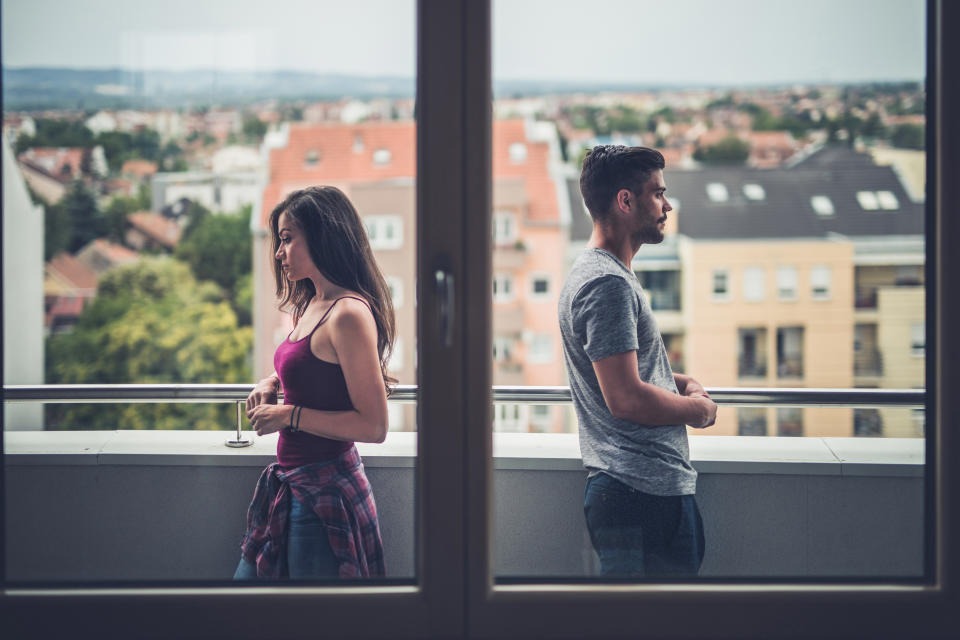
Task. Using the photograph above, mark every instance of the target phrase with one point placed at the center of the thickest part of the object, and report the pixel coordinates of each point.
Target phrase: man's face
(649, 209)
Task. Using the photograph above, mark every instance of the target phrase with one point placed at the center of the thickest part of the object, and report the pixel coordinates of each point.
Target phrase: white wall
(22, 294)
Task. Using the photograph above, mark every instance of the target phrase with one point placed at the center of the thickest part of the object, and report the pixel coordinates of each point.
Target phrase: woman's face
(293, 253)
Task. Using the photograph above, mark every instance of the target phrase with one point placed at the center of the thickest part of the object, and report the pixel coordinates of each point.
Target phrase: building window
(787, 283)
(717, 192)
(502, 287)
(502, 349)
(918, 339)
(868, 200)
(358, 145)
(381, 157)
(754, 192)
(754, 283)
(751, 421)
(385, 232)
(395, 285)
(790, 352)
(867, 423)
(909, 275)
(504, 227)
(820, 282)
(822, 205)
(311, 158)
(721, 289)
(518, 153)
(752, 353)
(673, 343)
(541, 349)
(789, 421)
(539, 287)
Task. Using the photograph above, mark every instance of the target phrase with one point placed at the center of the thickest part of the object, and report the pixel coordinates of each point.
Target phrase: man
(639, 502)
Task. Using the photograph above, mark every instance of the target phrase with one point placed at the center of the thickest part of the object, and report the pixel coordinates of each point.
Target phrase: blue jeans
(309, 555)
(642, 535)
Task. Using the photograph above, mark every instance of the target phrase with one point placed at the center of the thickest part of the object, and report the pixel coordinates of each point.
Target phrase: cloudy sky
(681, 41)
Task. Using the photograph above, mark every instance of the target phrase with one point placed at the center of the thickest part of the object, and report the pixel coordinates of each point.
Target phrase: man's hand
(687, 386)
(709, 415)
(268, 418)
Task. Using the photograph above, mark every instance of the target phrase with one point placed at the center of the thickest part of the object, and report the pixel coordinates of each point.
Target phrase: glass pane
(797, 261)
(145, 148)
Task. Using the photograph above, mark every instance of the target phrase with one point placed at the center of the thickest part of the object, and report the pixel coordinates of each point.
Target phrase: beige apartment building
(806, 276)
(374, 164)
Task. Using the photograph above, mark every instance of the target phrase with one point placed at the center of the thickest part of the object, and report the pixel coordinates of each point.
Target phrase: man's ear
(622, 200)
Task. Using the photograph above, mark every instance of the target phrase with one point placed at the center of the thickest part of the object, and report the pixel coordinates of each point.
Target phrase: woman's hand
(268, 418)
(264, 393)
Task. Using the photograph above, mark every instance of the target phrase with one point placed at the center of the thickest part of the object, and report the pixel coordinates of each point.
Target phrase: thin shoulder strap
(332, 305)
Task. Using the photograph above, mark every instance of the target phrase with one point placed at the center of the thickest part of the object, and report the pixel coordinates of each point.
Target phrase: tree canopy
(151, 322)
(731, 150)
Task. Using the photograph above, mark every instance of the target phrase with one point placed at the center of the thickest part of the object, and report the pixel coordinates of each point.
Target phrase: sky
(703, 42)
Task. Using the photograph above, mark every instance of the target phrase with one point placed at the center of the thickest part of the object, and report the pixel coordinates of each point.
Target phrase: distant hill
(47, 88)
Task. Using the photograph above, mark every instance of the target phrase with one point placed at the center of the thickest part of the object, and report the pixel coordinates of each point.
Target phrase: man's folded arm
(630, 398)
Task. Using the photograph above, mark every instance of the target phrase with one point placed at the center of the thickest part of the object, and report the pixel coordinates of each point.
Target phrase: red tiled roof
(54, 160)
(69, 270)
(158, 227)
(345, 155)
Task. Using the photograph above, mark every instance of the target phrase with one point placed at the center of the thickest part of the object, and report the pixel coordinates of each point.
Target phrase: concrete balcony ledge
(171, 505)
(518, 451)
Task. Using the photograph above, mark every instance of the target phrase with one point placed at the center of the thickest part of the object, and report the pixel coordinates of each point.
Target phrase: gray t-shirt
(603, 311)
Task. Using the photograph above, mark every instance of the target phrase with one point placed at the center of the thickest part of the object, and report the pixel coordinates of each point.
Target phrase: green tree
(254, 128)
(218, 248)
(151, 322)
(729, 151)
(908, 136)
(57, 133)
(57, 230)
(86, 220)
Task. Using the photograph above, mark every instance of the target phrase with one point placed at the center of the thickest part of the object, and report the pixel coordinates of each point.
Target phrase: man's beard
(648, 235)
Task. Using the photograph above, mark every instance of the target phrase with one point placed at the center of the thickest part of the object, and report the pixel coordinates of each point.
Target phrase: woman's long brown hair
(340, 249)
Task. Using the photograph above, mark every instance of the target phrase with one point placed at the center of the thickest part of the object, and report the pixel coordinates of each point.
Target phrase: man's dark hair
(607, 168)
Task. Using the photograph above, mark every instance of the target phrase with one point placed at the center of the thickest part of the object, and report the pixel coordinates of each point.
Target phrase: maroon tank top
(307, 381)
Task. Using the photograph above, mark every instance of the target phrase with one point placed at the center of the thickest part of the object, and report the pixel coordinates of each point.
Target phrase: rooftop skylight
(822, 205)
(868, 200)
(717, 192)
(887, 200)
(754, 191)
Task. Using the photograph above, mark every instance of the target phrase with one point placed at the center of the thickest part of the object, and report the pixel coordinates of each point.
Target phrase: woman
(313, 514)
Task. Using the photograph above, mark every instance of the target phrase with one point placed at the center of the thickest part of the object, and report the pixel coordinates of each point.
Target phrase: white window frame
(821, 282)
(787, 284)
(382, 157)
(726, 295)
(504, 228)
(518, 153)
(540, 349)
(504, 287)
(503, 348)
(754, 284)
(385, 231)
(540, 297)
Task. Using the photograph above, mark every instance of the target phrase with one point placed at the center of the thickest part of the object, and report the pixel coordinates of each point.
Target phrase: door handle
(446, 303)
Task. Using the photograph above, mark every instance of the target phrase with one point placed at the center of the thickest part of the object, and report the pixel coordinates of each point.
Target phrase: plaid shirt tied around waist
(339, 493)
